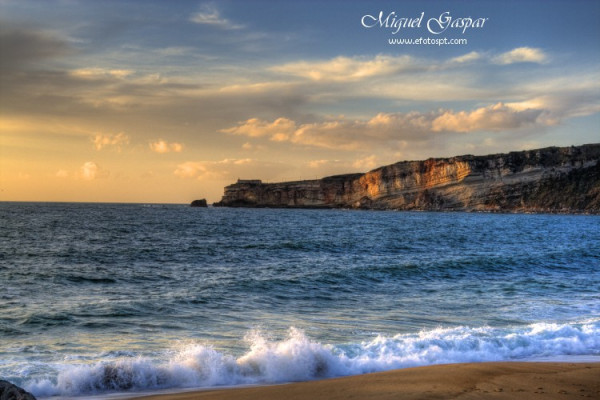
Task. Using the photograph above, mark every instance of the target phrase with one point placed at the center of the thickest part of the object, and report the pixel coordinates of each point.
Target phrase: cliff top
(517, 160)
(544, 156)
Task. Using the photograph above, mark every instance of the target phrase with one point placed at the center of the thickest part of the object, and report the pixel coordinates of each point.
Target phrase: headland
(552, 179)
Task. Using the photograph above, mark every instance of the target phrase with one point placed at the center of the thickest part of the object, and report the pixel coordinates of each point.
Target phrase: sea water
(99, 299)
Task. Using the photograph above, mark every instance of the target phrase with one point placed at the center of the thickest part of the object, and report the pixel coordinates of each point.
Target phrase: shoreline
(497, 380)
(457, 210)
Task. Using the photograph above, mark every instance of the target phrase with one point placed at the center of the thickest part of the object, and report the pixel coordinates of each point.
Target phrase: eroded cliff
(553, 179)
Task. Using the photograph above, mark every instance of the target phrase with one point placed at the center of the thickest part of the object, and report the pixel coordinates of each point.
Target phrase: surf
(297, 357)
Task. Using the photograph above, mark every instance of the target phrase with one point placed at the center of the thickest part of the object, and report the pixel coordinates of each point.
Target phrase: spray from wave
(298, 358)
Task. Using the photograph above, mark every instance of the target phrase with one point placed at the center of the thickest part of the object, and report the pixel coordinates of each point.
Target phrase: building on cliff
(553, 179)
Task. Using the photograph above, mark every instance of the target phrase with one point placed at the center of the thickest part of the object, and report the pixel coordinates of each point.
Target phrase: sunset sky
(170, 101)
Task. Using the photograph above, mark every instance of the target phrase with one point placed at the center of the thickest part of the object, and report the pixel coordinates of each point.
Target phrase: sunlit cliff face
(405, 176)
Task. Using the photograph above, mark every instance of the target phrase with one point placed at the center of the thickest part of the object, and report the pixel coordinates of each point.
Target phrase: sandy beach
(502, 380)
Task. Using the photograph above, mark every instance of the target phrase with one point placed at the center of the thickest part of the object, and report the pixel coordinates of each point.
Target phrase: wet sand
(502, 380)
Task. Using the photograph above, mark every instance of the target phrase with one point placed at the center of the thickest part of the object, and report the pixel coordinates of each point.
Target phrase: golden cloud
(89, 171)
(279, 130)
(93, 73)
(116, 140)
(346, 68)
(498, 117)
(229, 169)
(520, 55)
(160, 146)
(392, 128)
(469, 57)
(61, 173)
(367, 163)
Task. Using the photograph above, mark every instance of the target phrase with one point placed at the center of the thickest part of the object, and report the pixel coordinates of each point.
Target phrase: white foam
(298, 358)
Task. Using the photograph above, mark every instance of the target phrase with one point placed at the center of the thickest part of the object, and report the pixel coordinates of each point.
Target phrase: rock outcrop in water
(553, 179)
(199, 203)
(8, 391)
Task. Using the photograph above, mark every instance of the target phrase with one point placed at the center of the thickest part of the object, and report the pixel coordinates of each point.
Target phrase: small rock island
(552, 179)
(199, 203)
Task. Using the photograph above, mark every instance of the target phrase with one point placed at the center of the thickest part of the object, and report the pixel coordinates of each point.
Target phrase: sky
(170, 101)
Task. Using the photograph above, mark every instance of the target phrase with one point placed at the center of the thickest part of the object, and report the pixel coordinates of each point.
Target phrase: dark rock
(199, 203)
(8, 391)
(553, 179)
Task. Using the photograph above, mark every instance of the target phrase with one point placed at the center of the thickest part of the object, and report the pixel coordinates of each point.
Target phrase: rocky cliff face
(552, 179)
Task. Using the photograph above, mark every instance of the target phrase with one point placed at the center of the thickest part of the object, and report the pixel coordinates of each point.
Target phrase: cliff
(552, 179)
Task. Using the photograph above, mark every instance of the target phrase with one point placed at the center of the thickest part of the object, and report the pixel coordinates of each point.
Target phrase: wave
(298, 358)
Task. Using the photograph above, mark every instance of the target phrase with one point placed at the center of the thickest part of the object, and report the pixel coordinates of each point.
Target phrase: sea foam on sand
(298, 358)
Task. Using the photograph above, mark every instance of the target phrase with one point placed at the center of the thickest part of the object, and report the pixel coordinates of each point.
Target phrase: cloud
(327, 167)
(92, 73)
(279, 130)
(353, 69)
(336, 134)
(161, 147)
(498, 117)
(392, 129)
(466, 58)
(318, 163)
(210, 15)
(61, 173)
(517, 55)
(211, 170)
(347, 68)
(521, 55)
(229, 169)
(23, 47)
(272, 107)
(99, 95)
(89, 171)
(252, 147)
(366, 163)
(114, 140)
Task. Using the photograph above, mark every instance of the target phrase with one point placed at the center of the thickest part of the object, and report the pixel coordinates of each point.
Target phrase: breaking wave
(298, 358)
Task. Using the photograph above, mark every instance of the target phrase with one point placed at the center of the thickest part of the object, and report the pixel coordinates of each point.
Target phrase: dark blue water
(101, 298)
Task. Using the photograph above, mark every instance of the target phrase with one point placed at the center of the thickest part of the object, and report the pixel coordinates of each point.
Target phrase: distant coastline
(547, 180)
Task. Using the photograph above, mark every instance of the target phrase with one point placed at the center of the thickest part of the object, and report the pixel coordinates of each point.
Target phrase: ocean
(98, 299)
